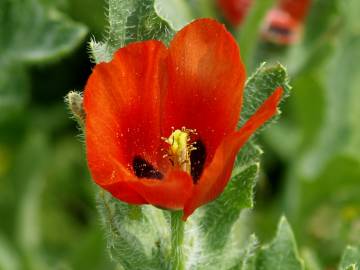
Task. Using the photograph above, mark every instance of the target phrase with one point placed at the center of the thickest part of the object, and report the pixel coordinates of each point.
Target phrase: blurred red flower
(283, 24)
(148, 92)
(234, 11)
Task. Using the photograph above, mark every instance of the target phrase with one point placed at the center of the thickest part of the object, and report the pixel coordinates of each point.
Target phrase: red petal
(122, 105)
(235, 11)
(217, 174)
(118, 184)
(206, 77)
(297, 9)
(172, 192)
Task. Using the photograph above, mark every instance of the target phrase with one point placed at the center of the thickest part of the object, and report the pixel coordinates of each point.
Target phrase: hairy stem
(177, 237)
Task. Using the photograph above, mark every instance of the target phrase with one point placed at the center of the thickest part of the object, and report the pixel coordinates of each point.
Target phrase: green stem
(177, 238)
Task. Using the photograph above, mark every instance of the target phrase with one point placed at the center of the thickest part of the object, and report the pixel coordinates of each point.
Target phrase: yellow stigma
(180, 148)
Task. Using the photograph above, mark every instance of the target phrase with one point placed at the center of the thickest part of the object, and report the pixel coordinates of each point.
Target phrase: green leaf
(350, 259)
(221, 214)
(30, 33)
(33, 33)
(260, 86)
(248, 258)
(176, 12)
(257, 89)
(137, 236)
(137, 20)
(213, 234)
(281, 253)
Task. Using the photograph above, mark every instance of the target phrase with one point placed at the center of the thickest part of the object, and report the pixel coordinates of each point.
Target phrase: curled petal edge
(216, 176)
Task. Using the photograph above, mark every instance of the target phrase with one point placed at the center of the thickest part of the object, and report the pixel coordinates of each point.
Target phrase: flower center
(184, 155)
(180, 148)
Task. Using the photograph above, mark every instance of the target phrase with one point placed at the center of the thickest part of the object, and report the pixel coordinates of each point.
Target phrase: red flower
(297, 9)
(283, 24)
(148, 92)
(235, 11)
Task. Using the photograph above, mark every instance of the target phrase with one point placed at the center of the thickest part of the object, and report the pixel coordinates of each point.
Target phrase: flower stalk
(177, 238)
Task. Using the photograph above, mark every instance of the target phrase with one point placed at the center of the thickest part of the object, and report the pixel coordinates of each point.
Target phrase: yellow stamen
(180, 148)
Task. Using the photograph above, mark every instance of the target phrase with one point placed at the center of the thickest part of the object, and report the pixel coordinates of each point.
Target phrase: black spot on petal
(144, 169)
(197, 159)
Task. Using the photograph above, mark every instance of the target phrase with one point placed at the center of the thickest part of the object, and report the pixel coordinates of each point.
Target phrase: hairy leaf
(33, 33)
(138, 20)
(138, 237)
(30, 33)
(350, 259)
(281, 253)
(247, 259)
(176, 12)
(260, 86)
(257, 89)
(221, 214)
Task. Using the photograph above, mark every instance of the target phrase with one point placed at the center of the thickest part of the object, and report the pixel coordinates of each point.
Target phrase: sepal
(74, 101)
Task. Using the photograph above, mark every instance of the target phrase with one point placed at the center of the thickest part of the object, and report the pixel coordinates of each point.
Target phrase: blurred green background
(311, 166)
